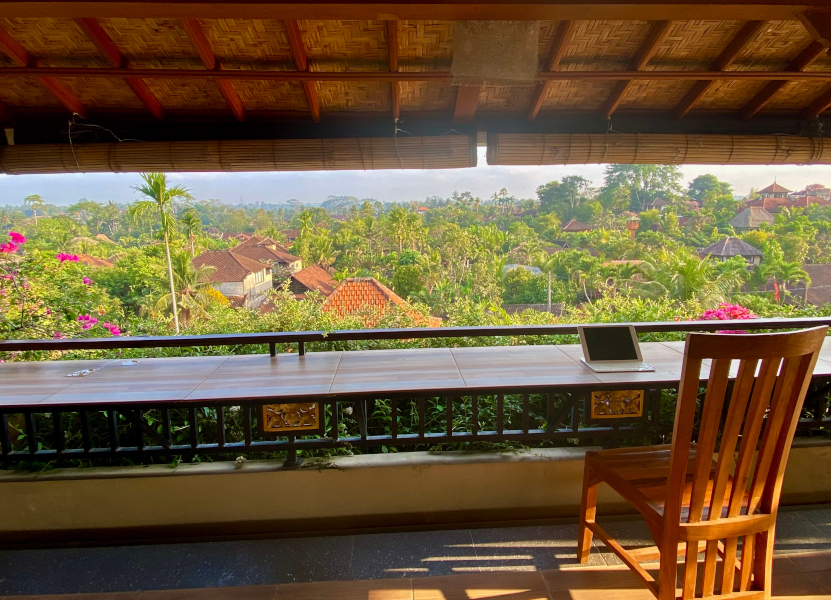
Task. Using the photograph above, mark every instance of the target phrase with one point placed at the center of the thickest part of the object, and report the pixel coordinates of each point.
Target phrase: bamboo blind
(633, 148)
(440, 152)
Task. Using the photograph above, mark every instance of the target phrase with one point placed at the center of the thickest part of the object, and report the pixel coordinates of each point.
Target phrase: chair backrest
(772, 377)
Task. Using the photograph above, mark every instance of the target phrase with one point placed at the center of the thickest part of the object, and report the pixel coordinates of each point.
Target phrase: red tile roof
(93, 262)
(359, 293)
(730, 246)
(575, 225)
(774, 188)
(228, 265)
(316, 278)
(234, 236)
(265, 249)
(775, 204)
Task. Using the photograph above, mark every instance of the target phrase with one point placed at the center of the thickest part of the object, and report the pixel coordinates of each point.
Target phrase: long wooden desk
(445, 371)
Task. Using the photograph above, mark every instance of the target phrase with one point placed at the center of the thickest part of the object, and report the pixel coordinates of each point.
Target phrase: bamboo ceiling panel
(577, 95)
(54, 42)
(795, 95)
(502, 98)
(603, 45)
(692, 45)
(26, 91)
(345, 45)
(185, 94)
(728, 95)
(427, 96)
(429, 44)
(773, 48)
(243, 40)
(271, 95)
(106, 93)
(352, 95)
(659, 95)
(151, 42)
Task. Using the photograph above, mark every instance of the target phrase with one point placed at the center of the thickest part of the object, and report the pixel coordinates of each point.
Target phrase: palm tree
(193, 225)
(195, 291)
(679, 275)
(161, 199)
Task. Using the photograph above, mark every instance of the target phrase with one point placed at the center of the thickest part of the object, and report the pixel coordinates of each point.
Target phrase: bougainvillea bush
(47, 295)
(728, 312)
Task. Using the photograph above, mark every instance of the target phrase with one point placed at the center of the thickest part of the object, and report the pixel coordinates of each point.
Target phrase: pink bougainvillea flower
(87, 281)
(87, 321)
(8, 248)
(17, 238)
(113, 329)
(48, 311)
(728, 312)
(58, 335)
(63, 257)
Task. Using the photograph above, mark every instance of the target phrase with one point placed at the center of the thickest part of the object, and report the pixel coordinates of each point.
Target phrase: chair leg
(668, 557)
(763, 555)
(589, 496)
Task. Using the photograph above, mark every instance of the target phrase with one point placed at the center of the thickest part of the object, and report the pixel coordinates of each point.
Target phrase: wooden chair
(693, 503)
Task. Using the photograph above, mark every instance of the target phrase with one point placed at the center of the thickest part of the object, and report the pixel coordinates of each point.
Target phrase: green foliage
(407, 280)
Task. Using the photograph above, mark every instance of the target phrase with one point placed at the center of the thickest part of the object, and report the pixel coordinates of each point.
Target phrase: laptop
(611, 348)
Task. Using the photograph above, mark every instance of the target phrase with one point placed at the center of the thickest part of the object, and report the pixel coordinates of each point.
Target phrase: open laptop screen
(609, 343)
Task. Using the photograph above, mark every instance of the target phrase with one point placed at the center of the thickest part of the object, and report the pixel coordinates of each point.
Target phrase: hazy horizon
(314, 187)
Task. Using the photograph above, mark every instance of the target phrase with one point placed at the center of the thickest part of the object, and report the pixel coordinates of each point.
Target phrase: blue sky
(392, 186)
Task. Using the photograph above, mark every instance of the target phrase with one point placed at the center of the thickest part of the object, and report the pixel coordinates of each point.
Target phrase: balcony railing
(146, 431)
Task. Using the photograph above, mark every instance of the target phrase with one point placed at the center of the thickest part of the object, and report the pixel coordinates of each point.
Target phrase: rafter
(393, 63)
(803, 60)
(657, 33)
(20, 56)
(556, 52)
(820, 104)
(818, 23)
(302, 64)
(467, 98)
(209, 59)
(746, 33)
(114, 56)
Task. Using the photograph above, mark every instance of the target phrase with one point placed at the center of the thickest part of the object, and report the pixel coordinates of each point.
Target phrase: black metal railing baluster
(500, 401)
(166, 427)
(420, 407)
(86, 435)
(112, 429)
(550, 413)
(194, 428)
(247, 425)
(58, 432)
(220, 426)
(5, 441)
(334, 421)
(394, 418)
(576, 412)
(31, 432)
(142, 435)
(475, 416)
(449, 416)
(526, 413)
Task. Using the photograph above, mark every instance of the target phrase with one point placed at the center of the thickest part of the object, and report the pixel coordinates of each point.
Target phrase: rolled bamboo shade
(440, 152)
(634, 148)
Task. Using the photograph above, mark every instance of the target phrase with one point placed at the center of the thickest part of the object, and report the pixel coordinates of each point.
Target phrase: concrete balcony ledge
(408, 490)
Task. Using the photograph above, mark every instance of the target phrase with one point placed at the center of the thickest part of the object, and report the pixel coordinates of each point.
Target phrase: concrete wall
(391, 490)
(230, 288)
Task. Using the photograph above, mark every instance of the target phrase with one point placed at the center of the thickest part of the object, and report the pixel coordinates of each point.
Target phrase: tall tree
(644, 182)
(193, 225)
(161, 199)
(707, 185)
(194, 291)
(36, 203)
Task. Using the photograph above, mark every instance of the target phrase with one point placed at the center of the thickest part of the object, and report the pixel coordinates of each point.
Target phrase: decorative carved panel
(617, 404)
(294, 419)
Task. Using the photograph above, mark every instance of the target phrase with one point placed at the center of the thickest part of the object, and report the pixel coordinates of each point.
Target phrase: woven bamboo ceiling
(188, 70)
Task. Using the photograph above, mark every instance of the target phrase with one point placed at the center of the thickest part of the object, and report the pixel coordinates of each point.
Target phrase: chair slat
(689, 580)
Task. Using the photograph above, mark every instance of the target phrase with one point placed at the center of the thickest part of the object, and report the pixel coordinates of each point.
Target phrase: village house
(242, 280)
(368, 297)
(291, 235)
(751, 218)
(731, 246)
(312, 278)
(268, 251)
(575, 226)
(775, 197)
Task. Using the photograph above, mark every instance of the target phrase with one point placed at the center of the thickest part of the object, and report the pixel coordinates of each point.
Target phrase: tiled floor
(517, 563)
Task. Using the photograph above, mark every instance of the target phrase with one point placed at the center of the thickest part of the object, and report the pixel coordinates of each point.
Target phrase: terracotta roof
(820, 290)
(752, 217)
(575, 225)
(731, 246)
(316, 278)
(228, 265)
(659, 202)
(237, 301)
(774, 188)
(290, 234)
(775, 204)
(93, 262)
(358, 293)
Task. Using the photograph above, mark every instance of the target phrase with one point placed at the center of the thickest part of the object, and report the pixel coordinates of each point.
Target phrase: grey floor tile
(529, 548)
(630, 534)
(162, 567)
(818, 516)
(414, 554)
(296, 560)
(795, 533)
(52, 571)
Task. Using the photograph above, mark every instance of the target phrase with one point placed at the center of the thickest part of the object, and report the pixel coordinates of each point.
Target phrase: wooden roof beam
(21, 57)
(818, 23)
(556, 52)
(467, 98)
(302, 64)
(803, 60)
(393, 64)
(820, 104)
(114, 56)
(747, 32)
(209, 59)
(657, 33)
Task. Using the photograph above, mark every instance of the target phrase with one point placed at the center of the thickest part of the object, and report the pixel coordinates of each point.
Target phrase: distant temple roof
(751, 218)
(774, 188)
(731, 246)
